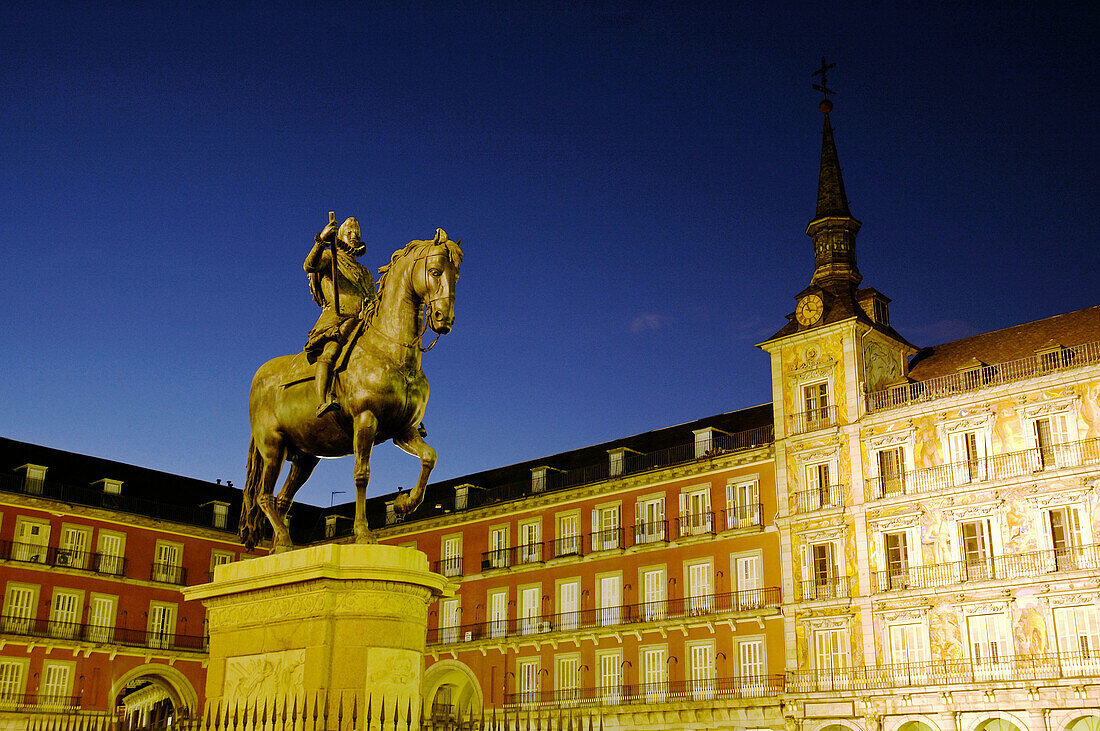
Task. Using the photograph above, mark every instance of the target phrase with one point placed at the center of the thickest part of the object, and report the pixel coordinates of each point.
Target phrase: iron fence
(607, 539)
(695, 524)
(812, 420)
(984, 377)
(826, 587)
(818, 498)
(701, 689)
(743, 516)
(100, 563)
(767, 598)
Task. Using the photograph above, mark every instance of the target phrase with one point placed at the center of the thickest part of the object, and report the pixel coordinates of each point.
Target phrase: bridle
(425, 305)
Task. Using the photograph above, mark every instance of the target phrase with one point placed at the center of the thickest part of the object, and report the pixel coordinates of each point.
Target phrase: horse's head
(434, 280)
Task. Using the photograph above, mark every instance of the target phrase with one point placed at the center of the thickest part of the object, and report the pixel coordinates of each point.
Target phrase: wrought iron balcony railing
(812, 420)
(100, 563)
(826, 587)
(743, 516)
(608, 539)
(77, 631)
(984, 377)
(997, 467)
(695, 524)
(703, 689)
(168, 573)
(749, 600)
(818, 498)
(448, 566)
(1023, 668)
(568, 546)
(999, 568)
(27, 701)
(503, 558)
(654, 532)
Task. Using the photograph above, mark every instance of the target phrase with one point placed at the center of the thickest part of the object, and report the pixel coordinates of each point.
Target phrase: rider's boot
(326, 402)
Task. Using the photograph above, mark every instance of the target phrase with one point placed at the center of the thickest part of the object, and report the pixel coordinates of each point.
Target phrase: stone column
(330, 619)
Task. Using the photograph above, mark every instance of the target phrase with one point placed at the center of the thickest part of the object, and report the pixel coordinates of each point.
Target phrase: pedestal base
(335, 619)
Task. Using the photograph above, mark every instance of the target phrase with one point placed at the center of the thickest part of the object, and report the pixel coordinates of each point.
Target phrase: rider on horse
(355, 291)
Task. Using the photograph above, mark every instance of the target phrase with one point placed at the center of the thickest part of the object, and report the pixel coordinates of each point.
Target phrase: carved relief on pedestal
(264, 675)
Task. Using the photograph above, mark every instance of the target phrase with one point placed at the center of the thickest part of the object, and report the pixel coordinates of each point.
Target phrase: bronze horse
(381, 392)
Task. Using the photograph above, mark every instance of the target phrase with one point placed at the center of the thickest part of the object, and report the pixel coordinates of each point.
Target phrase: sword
(335, 284)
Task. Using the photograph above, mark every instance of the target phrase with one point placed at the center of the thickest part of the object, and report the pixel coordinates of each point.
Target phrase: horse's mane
(454, 253)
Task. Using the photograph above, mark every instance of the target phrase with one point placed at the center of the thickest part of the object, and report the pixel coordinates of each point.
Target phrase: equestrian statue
(358, 381)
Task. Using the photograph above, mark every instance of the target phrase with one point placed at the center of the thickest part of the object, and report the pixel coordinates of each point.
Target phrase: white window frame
(497, 601)
(498, 546)
(609, 669)
(742, 502)
(31, 551)
(20, 613)
(828, 586)
(653, 588)
(699, 582)
(101, 628)
(567, 677)
(752, 676)
(702, 668)
(696, 512)
(168, 562)
(653, 666)
(450, 619)
(530, 608)
(831, 649)
(567, 534)
(609, 603)
(73, 553)
(161, 633)
(607, 526)
(568, 599)
(650, 519)
(66, 610)
(530, 541)
(108, 562)
(56, 687)
(528, 679)
(450, 554)
(13, 680)
(749, 592)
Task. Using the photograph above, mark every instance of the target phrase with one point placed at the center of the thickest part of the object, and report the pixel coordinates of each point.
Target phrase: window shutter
(683, 504)
(1048, 540)
(1078, 527)
(805, 551)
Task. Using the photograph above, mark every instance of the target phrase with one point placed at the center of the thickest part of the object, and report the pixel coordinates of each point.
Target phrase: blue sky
(631, 182)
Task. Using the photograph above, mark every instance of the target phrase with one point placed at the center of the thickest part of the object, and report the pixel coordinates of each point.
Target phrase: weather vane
(823, 87)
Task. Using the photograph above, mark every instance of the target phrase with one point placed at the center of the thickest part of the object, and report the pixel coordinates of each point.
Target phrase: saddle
(301, 370)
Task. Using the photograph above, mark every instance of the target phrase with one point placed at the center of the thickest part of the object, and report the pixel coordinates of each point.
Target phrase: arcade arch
(450, 684)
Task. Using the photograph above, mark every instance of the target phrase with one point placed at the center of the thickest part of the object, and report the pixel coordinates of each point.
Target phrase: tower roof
(832, 201)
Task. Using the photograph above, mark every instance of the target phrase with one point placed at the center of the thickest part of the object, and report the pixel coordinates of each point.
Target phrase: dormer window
(391, 514)
(221, 514)
(462, 496)
(110, 487)
(1053, 356)
(330, 524)
(707, 441)
(540, 478)
(616, 461)
(34, 477)
(879, 312)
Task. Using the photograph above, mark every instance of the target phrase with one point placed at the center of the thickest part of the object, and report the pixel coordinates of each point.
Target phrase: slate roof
(1012, 343)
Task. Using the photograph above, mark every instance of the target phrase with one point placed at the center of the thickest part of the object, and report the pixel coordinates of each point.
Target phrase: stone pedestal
(331, 619)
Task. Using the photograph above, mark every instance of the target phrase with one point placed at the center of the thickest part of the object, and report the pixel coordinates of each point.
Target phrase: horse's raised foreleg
(301, 467)
(414, 444)
(365, 427)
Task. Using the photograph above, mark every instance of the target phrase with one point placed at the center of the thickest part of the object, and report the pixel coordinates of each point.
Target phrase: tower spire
(833, 229)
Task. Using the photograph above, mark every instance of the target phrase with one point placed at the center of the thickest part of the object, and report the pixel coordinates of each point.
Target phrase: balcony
(168, 573)
(707, 689)
(812, 420)
(654, 532)
(1021, 668)
(503, 558)
(568, 546)
(100, 563)
(984, 377)
(819, 498)
(1027, 463)
(448, 566)
(609, 539)
(695, 524)
(79, 632)
(743, 516)
(826, 587)
(33, 701)
(749, 600)
(1000, 568)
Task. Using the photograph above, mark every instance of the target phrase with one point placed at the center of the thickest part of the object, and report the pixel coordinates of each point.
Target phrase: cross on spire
(823, 72)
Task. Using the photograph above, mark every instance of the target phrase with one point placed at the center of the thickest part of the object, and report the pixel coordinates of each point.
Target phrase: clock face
(809, 310)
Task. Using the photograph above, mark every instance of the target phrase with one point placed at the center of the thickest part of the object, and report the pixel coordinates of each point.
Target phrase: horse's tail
(250, 527)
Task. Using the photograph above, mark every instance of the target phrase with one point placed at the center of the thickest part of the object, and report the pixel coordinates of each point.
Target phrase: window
(702, 669)
(57, 684)
(101, 617)
(897, 559)
(527, 672)
(330, 526)
(110, 553)
(452, 556)
(73, 548)
(569, 604)
(831, 649)
(908, 643)
(1078, 634)
(65, 613)
(449, 620)
(567, 677)
(968, 452)
(1063, 530)
(700, 599)
(162, 625)
(219, 558)
(609, 664)
(568, 541)
(529, 603)
(654, 586)
(462, 497)
(989, 643)
(606, 532)
(976, 550)
(615, 462)
(880, 312)
(747, 575)
(34, 479)
(538, 479)
(31, 539)
(530, 545)
(498, 548)
(168, 563)
(742, 504)
(750, 667)
(891, 470)
(1051, 442)
(650, 515)
(821, 578)
(498, 613)
(610, 598)
(695, 515)
(655, 672)
(112, 487)
(19, 608)
(221, 514)
(816, 399)
(11, 681)
(820, 492)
